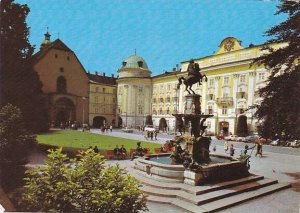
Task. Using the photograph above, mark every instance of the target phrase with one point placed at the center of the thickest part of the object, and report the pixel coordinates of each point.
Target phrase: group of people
(120, 153)
(151, 134)
(139, 151)
(104, 129)
(231, 149)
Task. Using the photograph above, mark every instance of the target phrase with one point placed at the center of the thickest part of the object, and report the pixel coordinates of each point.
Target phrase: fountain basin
(160, 168)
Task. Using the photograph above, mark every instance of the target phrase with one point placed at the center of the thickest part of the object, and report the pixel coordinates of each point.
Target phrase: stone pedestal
(192, 105)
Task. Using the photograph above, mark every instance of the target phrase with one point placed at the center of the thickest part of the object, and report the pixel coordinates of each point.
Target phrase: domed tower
(134, 92)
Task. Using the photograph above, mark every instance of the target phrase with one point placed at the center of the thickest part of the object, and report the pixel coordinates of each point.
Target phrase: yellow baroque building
(230, 90)
(102, 100)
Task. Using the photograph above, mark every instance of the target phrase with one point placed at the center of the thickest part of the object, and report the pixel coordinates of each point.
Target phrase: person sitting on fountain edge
(117, 152)
(139, 151)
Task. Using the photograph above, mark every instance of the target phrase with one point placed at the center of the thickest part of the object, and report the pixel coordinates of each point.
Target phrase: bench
(157, 150)
(110, 154)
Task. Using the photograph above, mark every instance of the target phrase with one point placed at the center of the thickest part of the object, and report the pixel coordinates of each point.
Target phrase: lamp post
(83, 98)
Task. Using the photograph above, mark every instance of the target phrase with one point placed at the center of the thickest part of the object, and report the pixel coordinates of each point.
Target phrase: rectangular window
(261, 76)
(210, 110)
(169, 87)
(140, 89)
(211, 82)
(103, 90)
(224, 110)
(226, 80)
(140, 110)
(242, 78)
(97, 89)
(96, 99)
(96, 110)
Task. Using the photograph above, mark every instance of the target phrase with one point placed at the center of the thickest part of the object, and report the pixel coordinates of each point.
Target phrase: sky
(103, 33)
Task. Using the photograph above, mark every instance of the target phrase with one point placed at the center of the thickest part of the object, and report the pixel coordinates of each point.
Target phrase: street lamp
(83, 98)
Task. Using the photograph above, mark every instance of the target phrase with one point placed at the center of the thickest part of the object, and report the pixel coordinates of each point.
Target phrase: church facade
(65, 82)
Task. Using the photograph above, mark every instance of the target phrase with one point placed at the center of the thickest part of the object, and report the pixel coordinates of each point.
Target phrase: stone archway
(224, 128)
(64, 111)
(99, 121)
(162, 124)
(120, 122)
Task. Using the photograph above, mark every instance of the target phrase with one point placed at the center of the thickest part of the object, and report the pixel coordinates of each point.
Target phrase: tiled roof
(57, 44)
(102, 79)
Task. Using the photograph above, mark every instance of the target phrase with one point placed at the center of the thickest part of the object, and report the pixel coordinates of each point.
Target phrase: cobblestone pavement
(280, 163)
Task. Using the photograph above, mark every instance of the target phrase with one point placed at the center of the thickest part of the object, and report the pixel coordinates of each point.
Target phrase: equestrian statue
(194, 76)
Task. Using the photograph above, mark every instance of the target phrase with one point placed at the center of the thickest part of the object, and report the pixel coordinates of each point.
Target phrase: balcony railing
(240, 95)
(161, 100)
(225, 100)
(210, 97)
(168, 99)
(154, 100)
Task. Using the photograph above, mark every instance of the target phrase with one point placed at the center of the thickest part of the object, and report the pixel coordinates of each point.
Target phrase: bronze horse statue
(194, 76)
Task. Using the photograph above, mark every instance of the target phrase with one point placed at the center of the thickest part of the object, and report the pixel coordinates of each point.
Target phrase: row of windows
(104, 110)
(242, 79)
(97, 99)
(167, 99)
(56, 56)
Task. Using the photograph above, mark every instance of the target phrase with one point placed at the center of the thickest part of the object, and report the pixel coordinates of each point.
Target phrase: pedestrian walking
(259, 149)
(231, 150)
(151, 135)
(155, 135)
(246, 149)
(215, 148)
(110, 128)
(225, 146)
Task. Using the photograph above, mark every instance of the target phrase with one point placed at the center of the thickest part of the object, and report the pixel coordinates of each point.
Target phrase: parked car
(241, 139)
(275, 142)
(231, 138)
(294, 144)
(263, 140)
(220, 137)
(150, 128)
(251, 138)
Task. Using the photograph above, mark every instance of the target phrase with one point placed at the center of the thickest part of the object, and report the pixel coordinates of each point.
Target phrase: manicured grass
(77, 139)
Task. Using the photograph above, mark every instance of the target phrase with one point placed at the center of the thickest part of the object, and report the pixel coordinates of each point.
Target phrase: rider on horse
(194, 69)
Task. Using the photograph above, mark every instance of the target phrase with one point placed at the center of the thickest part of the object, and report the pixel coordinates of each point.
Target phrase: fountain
(194, 179)
(194, 165)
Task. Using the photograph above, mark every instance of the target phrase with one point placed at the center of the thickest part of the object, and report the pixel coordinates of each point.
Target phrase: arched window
(61, 85)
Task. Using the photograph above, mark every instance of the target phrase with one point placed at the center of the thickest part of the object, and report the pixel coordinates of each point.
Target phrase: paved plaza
(280, 163)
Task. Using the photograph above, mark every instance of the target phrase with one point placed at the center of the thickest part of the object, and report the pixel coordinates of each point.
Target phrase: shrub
(87, 185)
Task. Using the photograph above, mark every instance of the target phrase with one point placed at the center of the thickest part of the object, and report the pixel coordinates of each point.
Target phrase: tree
(15, 145)
(82, 186)
(279, 112)
(15, 141)
(19, 83)
(242, 127)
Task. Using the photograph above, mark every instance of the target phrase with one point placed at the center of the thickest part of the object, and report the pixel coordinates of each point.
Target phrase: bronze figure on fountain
(200, 145)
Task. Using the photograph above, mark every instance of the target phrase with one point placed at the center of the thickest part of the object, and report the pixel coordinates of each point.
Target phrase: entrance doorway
(224, 128)
(64, 111)
(162, 124)
(99, 121)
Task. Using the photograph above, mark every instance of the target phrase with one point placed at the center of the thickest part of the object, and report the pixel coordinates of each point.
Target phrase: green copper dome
(135, 61)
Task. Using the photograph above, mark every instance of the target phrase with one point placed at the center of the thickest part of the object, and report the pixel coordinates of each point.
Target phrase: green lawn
(77, 139)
